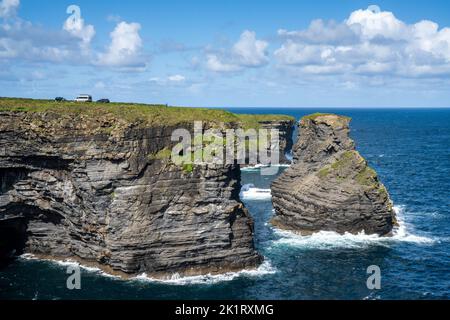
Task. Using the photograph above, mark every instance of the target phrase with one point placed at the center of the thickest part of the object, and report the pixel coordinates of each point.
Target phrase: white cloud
(176, 78)
(375, 23)
(297, 53)
(369, 42)
(21, 40)
(249, 51)
(246, 52)
(76, 27)
(125, 47)
(8, 8)
(173, 80)
(320, 31)
(214, 63)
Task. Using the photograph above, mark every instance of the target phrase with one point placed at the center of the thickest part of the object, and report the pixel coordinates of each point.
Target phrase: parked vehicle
(84, 98)
(103, 101)
(59, 99)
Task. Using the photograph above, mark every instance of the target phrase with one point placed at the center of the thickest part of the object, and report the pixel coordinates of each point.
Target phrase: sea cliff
(96, 184)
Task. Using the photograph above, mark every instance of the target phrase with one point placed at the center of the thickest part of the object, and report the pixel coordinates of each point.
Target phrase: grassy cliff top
(317, 116)
(133, 112)
(329, 119)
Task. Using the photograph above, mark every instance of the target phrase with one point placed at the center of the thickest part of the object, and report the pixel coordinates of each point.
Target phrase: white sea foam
(260, 166)
(254, 168)
(264, 269)
(68, 263)
(282, 165)
(250, 192)
(331, 240)
(289, 156)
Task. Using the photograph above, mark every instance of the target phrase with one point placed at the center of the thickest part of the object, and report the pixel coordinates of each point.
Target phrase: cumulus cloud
(76, 27)
(368, 42)
(125, 47)
(214, 63)
(249, 51)
(8, 8)
(246, 52)
(373, 23)
(20, 39)
(320, 31)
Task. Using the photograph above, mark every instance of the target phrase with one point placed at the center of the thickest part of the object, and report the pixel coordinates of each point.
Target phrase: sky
(322, 53)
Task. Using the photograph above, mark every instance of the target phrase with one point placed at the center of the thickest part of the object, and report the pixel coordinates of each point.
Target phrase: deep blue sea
(409, 148)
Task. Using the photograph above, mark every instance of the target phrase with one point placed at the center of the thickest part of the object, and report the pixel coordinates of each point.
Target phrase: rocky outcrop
(103, 191)
(286, 130)
(330, 187)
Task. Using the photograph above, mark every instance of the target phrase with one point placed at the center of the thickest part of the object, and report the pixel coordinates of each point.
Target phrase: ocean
(410, 150)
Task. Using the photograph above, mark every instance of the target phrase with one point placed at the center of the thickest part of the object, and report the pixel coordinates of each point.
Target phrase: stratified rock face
(330, 186)
(285, 129)
(102, 191)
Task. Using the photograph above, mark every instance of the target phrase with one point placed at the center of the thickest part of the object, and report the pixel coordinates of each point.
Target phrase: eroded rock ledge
(330, 187)
(100, 190)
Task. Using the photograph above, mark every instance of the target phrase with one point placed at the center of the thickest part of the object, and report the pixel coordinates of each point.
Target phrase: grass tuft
(163, 154)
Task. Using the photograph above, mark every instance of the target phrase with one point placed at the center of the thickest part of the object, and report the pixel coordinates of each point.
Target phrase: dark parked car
(103, 101)
(59, 99)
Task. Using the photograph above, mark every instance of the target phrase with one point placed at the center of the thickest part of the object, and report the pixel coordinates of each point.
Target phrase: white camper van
(84, 98)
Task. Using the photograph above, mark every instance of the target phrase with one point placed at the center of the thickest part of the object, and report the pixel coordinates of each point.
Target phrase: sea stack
(330, 186)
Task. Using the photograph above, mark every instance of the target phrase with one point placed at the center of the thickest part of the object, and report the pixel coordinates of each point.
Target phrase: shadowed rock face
(330, 187)
(286, 130)
(101, 191)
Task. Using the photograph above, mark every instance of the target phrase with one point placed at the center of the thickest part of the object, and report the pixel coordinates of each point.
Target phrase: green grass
(163, 154)
(144, 114)
(323, 173)
(344, 160)
(314, 116)
(188, 167)
(252, 121)
(367, 177)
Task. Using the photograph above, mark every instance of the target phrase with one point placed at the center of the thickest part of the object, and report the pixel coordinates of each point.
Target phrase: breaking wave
(331, 240)
(264, 269)
(250, 192)
(69, 263)
(260, 166)
(289, 156)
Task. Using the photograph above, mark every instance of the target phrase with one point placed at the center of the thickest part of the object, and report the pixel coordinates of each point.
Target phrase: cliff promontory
(95, 183)
(330, 187)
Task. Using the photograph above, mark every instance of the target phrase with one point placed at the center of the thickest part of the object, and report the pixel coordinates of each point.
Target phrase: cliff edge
(330, 186)
(95, 183)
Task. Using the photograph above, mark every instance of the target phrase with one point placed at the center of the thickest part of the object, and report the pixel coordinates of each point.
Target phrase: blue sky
(230, 53)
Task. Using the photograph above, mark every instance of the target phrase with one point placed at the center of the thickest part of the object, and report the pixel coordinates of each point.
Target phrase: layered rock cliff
(286, 130)
(102, 190)
(330, 187)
